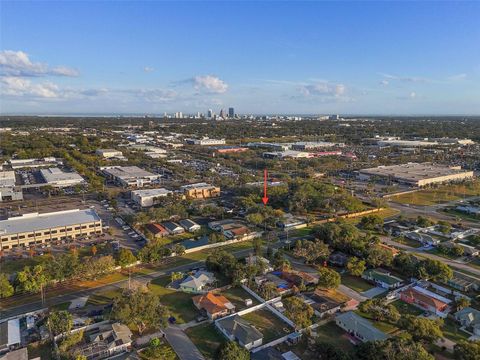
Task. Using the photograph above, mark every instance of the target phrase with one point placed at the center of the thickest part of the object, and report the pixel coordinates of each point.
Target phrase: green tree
(6, 289)
(328, 351)
(462, 303)
(230, 350)
(141, 308)
(31, 279)
(125, 257)
(422, 329)
(395, 349)
(371, 222)
(436, 270)
(311, 251)
(60, 322)
(328, 278)
(298, 311)
(467, 350)
(178, 249)
(356, 266)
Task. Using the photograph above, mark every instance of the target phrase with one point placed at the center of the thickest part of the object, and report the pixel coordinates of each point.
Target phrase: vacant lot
(206, 338)
(441, 194)
(268, 324)
(179, 304)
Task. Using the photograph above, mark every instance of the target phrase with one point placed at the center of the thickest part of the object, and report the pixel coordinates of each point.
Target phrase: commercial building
(110, 154)
(200, 191)
(35, 228)
(150, 197)
(10, 194)
(33, 163)
(416, 174)
(312, 145)
(7, 179)
(58, 178)
(230, 149)
(206, 141)
(129, 176)
(231, 112)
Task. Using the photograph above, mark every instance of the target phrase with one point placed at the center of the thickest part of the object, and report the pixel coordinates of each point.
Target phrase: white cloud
(18, 63)
(415, 79)
(209, 83)
(323, 88)
(384, 82)
(15, 86)
(148, 69)
(457, 77)
(413, 95)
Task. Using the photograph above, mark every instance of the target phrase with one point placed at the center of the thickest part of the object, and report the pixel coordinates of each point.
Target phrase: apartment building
(35, 228)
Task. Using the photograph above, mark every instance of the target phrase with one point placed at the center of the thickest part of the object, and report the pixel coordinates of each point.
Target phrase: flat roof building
(34, 163)
(35, 228)
(417, 174)
(129, 176)
(150, 197)
(7, 178)
(204, 142)
(59, 178)
(110, 154)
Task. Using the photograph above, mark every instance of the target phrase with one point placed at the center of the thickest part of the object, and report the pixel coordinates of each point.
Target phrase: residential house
(298, 277)
(358, 327)
(189, 225)
(329, 301)
(105, 341)
(468, 250)
(426, 300)
(173, 228)
(157, 230)
(254, 260)
(236, 328)
(469, 318)
(382, 278)
(215, 306)
(464, 282)
(197, 282)
(235, 230)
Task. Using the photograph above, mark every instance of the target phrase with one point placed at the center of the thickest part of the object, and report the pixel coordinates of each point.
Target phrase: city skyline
(263, 58)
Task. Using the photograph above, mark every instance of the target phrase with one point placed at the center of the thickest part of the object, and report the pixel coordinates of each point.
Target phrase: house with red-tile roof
(426, 300)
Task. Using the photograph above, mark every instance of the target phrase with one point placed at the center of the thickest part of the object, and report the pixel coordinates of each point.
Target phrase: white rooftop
(151, 192)
(52, 175)
(128, 172)
(35, 221)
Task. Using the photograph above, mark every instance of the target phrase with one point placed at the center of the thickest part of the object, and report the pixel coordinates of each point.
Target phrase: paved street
(182, 344)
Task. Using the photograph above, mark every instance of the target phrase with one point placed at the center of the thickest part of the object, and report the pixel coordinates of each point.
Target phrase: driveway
(181, 343)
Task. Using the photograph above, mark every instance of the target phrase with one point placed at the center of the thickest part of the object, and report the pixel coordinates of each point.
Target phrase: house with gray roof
(358, 327)
(382, 278)
(470, 319)
(198, 282)
(189, 225)
(237, 328)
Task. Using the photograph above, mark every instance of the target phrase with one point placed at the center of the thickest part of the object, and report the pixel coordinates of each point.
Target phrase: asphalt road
(37, 305)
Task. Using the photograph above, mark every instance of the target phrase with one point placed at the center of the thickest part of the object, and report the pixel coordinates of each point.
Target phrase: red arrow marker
(265, 197)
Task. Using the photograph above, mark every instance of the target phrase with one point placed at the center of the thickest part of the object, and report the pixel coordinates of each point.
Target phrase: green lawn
(441, 194)
(178, 303)
(268, 324)
(332, 334)
(237, 296)
(206, 338)
(452, 331)
(103, 297)
(356, 283)
(62, 306)
(384, 326)
(406, 309)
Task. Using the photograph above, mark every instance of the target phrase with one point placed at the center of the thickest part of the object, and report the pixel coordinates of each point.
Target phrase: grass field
(441, 194)
(237, 297)
(452, 331)
(206, 338)
(332, 334)
(179, 304)
(268, 324)
(356, 283)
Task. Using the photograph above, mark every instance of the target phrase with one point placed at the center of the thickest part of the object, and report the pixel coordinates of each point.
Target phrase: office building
(150, 197)
(200, 191)
(110, 154)
(210, 113)
(35, 228)
(204, 142)
(416, 174)
(129, 176)
(33, 163)
(231, 112)
(58, 178)
(10, 193)
(7, 178)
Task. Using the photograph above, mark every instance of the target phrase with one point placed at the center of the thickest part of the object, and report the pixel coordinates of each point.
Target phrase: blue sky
(260, 57)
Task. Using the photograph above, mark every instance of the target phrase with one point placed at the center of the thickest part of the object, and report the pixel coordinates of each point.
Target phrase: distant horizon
(263, 57)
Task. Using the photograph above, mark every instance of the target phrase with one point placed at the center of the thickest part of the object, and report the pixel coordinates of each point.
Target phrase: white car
(134, 236)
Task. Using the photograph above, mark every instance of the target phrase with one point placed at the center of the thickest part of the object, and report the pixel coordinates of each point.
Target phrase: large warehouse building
(35, 228)
(58, 178)
(129, 176)
(150, 197)
(415, 174)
